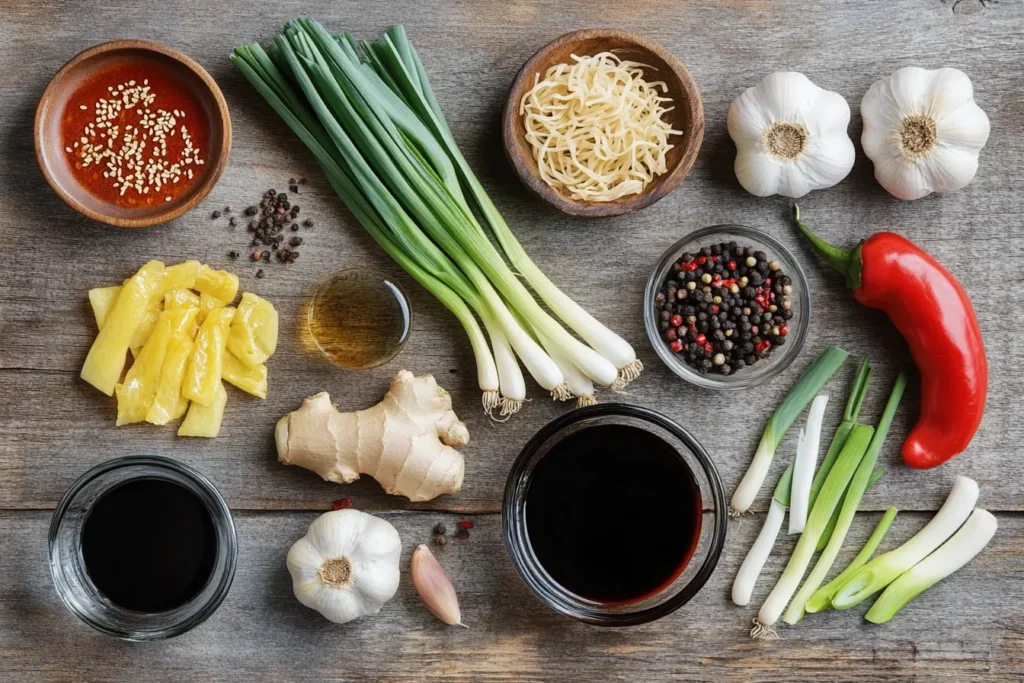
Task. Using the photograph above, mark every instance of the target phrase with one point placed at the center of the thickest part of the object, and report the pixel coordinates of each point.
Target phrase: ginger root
(404, 442)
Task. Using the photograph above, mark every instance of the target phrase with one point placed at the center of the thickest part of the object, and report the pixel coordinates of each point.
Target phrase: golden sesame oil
(359, 318)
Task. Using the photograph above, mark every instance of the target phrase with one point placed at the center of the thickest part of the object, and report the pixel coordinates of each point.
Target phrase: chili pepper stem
(846, 261)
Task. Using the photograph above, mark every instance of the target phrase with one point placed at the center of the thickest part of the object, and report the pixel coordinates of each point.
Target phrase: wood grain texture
(262, 633)
(53, 426)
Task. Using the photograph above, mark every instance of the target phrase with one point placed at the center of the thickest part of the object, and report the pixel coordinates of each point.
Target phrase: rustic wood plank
(963, 629)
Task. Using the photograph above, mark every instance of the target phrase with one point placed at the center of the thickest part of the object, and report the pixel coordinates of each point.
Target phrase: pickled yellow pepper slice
(106, 358)
(136, 395)
(217, 283)
(249, 380)
(203, 372)
(168, 403)
(205, 420)
(253, 336)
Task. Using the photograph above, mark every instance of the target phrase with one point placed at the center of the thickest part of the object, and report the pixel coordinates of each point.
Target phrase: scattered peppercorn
(724, 307)
(233, 254)
(465, 524)
(440, 529)
(215, 215)
(259, 274)
(462, 534)
(267, 221)
(441, 540)
(341, 503)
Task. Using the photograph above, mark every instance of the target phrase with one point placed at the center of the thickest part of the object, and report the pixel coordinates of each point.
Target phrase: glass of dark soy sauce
(142, 548)
(614, 515)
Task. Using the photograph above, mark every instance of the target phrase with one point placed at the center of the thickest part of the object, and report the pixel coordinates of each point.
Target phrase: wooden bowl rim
(223, 118)
(526, 167)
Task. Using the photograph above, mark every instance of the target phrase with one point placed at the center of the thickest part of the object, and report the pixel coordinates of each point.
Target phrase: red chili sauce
(135, 136)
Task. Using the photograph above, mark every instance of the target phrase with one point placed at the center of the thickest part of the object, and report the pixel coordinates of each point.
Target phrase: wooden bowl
(54, 161)
(687, 116)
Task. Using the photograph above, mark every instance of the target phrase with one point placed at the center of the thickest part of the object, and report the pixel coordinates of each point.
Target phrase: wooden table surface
(53, 426)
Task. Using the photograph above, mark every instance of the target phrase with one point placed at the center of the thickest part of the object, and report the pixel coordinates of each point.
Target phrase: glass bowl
(780, 357)
(667, 599)
(67, 565)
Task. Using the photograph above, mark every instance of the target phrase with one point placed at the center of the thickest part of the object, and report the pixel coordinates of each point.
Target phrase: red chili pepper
(341, 504)
(934, 314)
(676, 346)
(676, 320)
(701, 339)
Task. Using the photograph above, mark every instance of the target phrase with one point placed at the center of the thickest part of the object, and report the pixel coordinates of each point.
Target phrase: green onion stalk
(835, 483)
(822, 598)
(813, 379)
(851, 501)
(373, 124)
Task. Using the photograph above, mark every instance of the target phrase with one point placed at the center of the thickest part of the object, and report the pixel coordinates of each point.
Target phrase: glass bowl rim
(220, 515)
(514, 526)
(736, 381)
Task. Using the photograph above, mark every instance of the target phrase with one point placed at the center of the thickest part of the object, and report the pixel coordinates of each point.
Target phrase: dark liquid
(149, 545)
(613, 513)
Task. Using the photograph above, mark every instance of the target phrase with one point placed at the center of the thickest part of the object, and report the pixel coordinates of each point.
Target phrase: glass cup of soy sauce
(614, 515)
(142, 548)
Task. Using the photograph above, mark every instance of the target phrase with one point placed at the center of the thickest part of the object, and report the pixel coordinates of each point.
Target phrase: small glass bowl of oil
(359, 318)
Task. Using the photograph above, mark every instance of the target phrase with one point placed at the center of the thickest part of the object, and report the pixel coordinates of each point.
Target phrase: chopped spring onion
(960, 549)
(812, 380)
(853, 405)
(753, 563)
(374, 126)
(884, 569)
(851, 501)
(822, 598)
(803, 466)
(831, 492)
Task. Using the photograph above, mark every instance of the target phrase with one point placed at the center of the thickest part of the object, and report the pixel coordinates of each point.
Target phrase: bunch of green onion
(369, 116)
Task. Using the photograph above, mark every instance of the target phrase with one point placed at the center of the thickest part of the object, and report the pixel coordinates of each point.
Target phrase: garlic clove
(434, 587)
(966, 127)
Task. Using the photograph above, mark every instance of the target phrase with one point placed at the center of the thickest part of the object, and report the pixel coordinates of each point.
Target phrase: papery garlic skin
(346, 566)
(790, 136)
(923, 131)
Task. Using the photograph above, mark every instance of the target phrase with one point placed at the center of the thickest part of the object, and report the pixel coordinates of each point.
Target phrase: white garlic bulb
(346, 565)
(923, 131)
(790, 136)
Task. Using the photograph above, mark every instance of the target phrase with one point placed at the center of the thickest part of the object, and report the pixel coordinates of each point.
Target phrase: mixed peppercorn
(724, 307)
(268, 223)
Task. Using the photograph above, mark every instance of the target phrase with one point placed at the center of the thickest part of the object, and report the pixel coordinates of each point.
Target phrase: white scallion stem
(803, 468)
(579, 384)
(960, 549)
(753, 563)
(884, 569)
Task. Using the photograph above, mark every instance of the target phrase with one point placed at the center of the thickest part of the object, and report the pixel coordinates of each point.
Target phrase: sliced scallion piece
(960, 549)
(851, 501)
(836, 482)
(809, 383)
(822, 597)
(884, 569)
